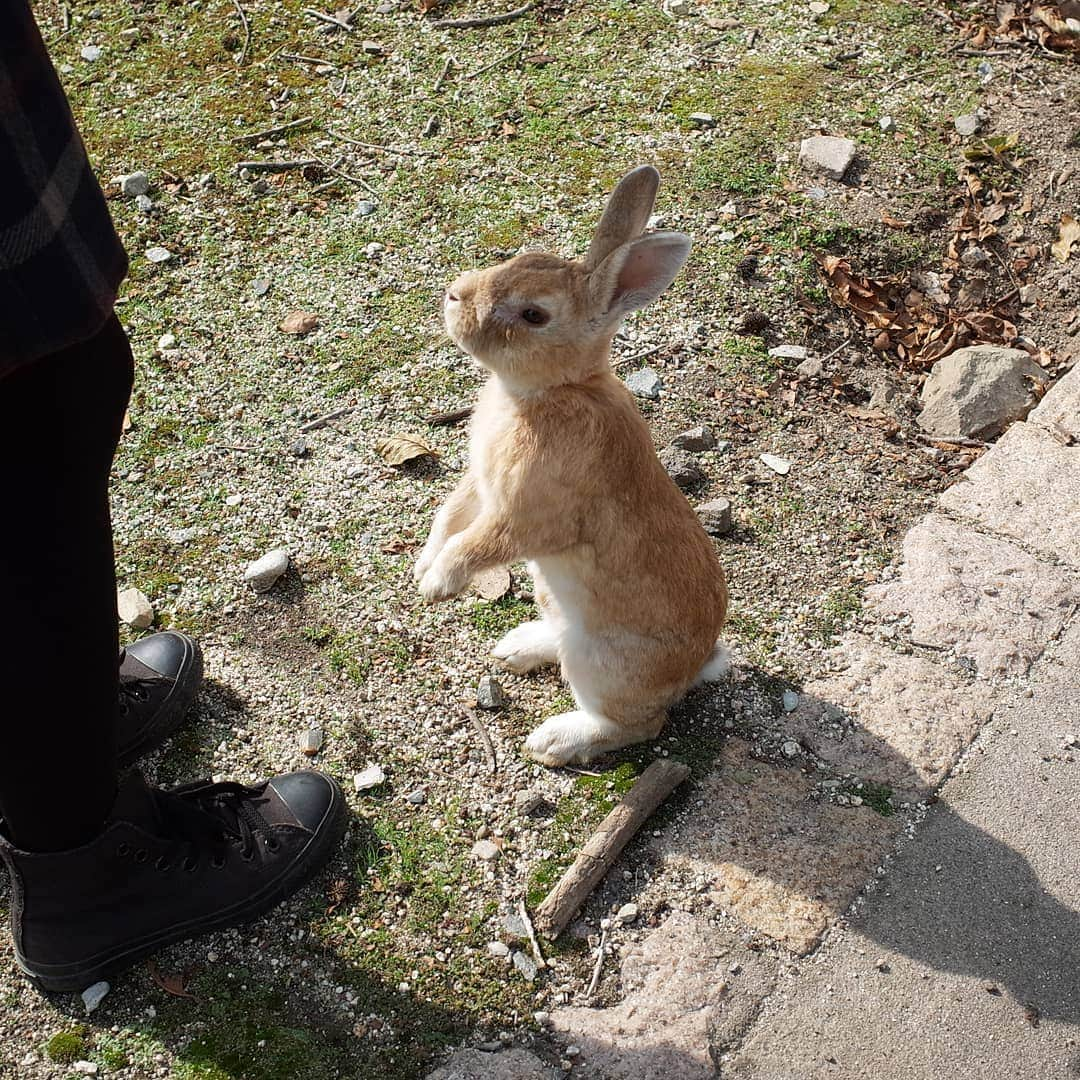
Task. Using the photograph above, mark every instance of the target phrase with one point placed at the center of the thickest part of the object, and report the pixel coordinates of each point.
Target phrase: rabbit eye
(534, 316)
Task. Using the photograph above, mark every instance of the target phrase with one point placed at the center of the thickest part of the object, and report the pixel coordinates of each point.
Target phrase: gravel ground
(436, 149)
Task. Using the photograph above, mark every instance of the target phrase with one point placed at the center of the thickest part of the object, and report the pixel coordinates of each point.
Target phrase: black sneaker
(168, 866)
(159, 677)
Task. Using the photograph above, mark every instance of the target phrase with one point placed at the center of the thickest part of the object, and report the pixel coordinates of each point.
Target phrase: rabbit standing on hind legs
(562, 472)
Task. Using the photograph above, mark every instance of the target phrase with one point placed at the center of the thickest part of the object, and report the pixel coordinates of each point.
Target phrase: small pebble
(715, 516)
(417, 797)
(777, 464)
(94, 995)
(136, 183)
(364, 208)
(541, 1017)
(299, 449)
(166, 341)
(887, 124)
(791, 701)
(810, 368)
(260, 286)
(528, 802)
(263, 573)
(311, 741)
(695, 440)
(158, 254)
(526, 965)
(144, 203)
(369, 778)
(644, 383)
(790, 748)
(85, 1068)
(135, 609)
(486, 851)
(681, 467)
(490, 694)
(498, 948)
(90, 53)
(702, 119)
(627, 913)
(788, 352)
(967, 125)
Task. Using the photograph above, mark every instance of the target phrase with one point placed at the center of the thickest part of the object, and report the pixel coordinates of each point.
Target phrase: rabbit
(562, 473)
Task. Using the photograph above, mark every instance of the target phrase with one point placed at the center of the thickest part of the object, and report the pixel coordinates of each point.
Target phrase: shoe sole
(173, 709)
(74, 978)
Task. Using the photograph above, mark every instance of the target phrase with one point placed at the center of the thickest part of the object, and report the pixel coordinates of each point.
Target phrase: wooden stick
(311, 13)
(247, 30)
(485, 738)
(255, 136)
(601, 952)
(301, 59)
(448, 418)
(484, 20)
(374, 146)
(538, 956)
(322, 421)
(650, 789)
(500, 59)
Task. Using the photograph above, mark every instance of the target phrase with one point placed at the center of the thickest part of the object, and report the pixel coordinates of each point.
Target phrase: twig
(255, 136)
(637, 356)
(311, 13)
(501, 59)
(900, 82)
(455, 416)
(358, 180)
(650, 789)
(442, 75)
(247, 30)
(485, 738)
(538, 956)
(374, 146)
(300, 58)
(322, 421)
(598, 967)
(234, 446)
(484, 20)
(276, 166)
(839, 348)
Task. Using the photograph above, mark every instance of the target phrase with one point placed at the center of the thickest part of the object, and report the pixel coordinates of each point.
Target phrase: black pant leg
(60, 422)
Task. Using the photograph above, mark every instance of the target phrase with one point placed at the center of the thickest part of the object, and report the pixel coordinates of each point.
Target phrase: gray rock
(810, 368)
(515, 927)
(498, 948)
(90, 53)
(263, 573)
(696, 439)
(299, 449)
(827, 154)
(975, 256)
(887, 124)
(788, 352)
(490, 694)
(94, 995)
(526, 965)
(134, 609)
(260, 286)
(715, 516)
(627, 913)
(364, 208)
(474, 1064)
(486, 851)
(417, 797)
(644, 383)
(702, 119)
(158, 254)
(975, 393)
(791, 701)
(790, 748)
(85, 1068)
(144, 203)
(311, 741)
(681, 467)
(181, 536)
(136, 183)
(529, 802)
(967, 125)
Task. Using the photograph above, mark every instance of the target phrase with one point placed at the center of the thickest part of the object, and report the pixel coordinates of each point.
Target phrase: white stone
(158, 254)
(777, 464)
(90, 53)
(827, 154)
(262, 573)
(486, 851)
(94, 995)
(369, 778)
(135, 609)
(967, 125)
(887, 124)
(166, 341)
(490, 694)
(311, 741)
(715, 516)
(498, 948)
(788, 352)
(85, 1068)
(627, 913)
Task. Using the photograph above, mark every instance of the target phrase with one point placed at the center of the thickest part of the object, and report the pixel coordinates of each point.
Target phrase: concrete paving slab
(501, 1065)
(1026, 487)
(690, 990)
(781, 859)
(964, 962)
(891, 719)
(987, 599)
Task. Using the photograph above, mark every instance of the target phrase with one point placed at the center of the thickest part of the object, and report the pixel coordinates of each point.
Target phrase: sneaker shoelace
(133, 691)
(204, 815)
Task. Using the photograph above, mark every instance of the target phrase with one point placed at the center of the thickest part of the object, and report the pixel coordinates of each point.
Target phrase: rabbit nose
(452, 297)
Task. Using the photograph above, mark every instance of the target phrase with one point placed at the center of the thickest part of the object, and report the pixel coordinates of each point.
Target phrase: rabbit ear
(636, 273)
(626, 214)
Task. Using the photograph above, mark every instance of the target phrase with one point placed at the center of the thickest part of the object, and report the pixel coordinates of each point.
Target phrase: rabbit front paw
(441, 581)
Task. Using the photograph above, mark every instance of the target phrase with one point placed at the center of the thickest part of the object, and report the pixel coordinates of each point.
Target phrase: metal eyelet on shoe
(142, 855)
(248, 855)
(124, 850)
(218, 862)
(272, 846)
(190, 865)
(162, 864)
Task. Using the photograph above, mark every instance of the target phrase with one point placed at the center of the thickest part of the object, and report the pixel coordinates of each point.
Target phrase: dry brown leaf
(1068, 235)
(299, 322)
(397, 449)
(171, 984)
(892, 221)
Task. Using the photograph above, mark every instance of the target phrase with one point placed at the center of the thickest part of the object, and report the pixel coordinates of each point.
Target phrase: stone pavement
(943, 943)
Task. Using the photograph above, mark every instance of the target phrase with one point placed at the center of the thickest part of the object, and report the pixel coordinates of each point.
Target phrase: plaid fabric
(61, 261)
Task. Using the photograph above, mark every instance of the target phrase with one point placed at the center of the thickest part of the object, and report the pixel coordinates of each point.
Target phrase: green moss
(492, 619)
(67, 1046)
(877, 796)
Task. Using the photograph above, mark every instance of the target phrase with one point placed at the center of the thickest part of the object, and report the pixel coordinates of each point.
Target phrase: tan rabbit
(562, 472)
